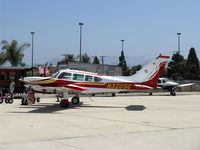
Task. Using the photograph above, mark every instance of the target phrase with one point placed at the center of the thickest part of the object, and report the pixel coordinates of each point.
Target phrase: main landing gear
(64, 103)
(173, 93)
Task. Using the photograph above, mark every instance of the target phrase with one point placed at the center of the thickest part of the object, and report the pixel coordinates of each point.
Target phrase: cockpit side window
(88, 78)
(78, 77)
(159, 81)
(65, 75)
(97, 79)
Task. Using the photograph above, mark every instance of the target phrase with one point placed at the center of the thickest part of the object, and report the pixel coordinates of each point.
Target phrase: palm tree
(13, 52)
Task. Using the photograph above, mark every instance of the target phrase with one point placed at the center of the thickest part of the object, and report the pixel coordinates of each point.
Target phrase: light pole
(179, 34)
(32, 33)
(122, 45)
(80, 24)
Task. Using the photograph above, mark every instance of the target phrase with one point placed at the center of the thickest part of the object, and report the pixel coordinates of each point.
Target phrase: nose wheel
(64, 103)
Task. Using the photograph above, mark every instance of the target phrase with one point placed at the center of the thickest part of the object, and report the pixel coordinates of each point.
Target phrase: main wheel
(75, 100)
(173, 93)
(64, 103)
(150, 93)
(6, 100)
(113, 95)
(38, 99)
(10, 101)
(24, 101)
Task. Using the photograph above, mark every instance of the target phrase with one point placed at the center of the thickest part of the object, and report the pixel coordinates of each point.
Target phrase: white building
(110, 70)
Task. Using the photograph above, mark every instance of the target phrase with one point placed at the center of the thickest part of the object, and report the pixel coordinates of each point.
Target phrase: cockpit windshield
(165, 80)
(55, 74)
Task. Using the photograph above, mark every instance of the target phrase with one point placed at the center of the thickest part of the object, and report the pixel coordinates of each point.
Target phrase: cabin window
(165, 80)
(97, 79)
(78, 77)
(65, 75)
(159, 81)
(88, 78)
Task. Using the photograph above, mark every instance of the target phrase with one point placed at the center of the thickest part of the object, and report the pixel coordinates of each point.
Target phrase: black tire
(24, 101)
(38, 99)
(75, 100)
(113, 95)
(6, 100)
(150, 93)
(10, 101)
(1, 100)
(64, 104)
(173, 93)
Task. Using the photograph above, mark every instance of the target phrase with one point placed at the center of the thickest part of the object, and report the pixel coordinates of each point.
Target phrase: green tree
(122, 63)
(96, 60)
(135, 68)
(13, 52)
(192, 65)
(2, 58)
(69, 58)
(85, 58)
(176, 67)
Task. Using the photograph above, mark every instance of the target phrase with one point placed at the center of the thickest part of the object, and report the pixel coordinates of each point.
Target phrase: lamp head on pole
(32, 33)
(179, 33)
(80, 24)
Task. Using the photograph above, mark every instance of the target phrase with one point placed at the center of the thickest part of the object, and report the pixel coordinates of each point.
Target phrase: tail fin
(150, 73)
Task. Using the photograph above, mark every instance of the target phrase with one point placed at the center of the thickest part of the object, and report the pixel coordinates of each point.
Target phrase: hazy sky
(148, 27)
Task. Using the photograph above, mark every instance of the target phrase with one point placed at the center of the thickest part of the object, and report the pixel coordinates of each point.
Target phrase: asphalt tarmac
(124, 122)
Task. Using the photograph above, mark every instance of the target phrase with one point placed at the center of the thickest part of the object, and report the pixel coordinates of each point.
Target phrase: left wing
(188, 84)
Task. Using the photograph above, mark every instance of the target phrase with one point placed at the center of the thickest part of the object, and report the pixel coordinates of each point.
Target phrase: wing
(188, 84)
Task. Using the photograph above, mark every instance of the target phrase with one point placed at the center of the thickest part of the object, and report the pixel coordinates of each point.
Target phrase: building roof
(15, 68)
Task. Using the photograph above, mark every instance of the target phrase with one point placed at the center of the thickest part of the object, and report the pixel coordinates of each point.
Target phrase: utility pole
(122, 45)
(102, 59)
(80, 24)
(32, 33)
(179, 34)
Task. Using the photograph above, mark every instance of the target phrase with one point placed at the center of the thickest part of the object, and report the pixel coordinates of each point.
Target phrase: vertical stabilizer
(150, 73)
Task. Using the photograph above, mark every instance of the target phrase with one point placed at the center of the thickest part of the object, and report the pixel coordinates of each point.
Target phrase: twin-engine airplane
(87, 83)
(171, 86)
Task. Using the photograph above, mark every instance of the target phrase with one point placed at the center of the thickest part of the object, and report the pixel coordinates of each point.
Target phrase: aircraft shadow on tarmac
(135, 108)
(49, 108)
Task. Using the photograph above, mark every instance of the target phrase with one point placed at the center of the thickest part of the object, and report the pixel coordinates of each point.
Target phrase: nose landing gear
(64, 103)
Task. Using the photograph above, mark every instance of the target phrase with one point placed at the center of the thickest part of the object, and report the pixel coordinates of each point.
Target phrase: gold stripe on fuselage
(44, 82)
